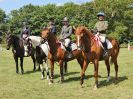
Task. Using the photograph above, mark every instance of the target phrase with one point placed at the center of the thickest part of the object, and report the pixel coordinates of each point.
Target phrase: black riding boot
(105, 54)
(69, 54)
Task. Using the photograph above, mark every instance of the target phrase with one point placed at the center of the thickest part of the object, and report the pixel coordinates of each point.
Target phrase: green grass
(30, 85)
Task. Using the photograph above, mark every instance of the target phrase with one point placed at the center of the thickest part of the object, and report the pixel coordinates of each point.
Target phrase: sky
(8, 5)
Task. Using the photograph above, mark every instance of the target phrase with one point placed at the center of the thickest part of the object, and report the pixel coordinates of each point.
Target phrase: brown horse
(58, 54)
(86, 41)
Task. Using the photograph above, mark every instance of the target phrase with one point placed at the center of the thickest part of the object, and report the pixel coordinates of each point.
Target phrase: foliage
(118, 13)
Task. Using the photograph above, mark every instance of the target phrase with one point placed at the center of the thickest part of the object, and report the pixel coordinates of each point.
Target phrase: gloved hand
(94, 31)
(97, 34)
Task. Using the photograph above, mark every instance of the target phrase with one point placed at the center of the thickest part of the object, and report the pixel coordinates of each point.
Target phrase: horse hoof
(51, 80)
(108, 79)
(95, 87)
(42, 78)
(47, 78)
(50, 83)
(82, 86)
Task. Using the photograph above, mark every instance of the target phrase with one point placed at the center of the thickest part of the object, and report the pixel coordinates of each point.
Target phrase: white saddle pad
(109, 44)
(73, 46)
(45, 48)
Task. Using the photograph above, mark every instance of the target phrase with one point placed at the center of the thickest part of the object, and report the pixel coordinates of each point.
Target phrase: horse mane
(52, 43)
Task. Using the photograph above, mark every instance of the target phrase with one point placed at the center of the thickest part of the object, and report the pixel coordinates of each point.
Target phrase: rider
(25, 32)
(101, 28)
(66, 33)
(52, 27)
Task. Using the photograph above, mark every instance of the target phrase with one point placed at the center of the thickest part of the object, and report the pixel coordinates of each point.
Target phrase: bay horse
(86, 41)
(19, 51)
(58, 54)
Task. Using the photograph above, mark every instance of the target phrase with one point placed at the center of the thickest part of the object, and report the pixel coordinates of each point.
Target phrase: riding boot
(105, 54)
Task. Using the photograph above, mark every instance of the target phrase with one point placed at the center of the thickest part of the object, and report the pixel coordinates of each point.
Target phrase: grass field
(30, 85)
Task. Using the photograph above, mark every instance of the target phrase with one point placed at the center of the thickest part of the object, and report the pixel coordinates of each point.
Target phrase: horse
(57, 53)
(86, 41)
(40, 53)
(20, 51)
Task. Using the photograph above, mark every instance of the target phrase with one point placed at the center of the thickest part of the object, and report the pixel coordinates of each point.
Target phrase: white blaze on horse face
(25, 50)
(78, 37)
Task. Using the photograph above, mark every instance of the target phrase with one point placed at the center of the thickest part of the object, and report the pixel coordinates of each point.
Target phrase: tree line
(119, 14)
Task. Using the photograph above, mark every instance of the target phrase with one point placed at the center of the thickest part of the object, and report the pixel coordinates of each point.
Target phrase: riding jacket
(66, 32)
(101, 26)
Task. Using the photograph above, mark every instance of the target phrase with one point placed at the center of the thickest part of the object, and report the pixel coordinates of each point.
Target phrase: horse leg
(116, 69)
(96, 65)
(39, 68)
(47, 71)
(80, 62)
(34, 61)
(21, 64)
(42, 70)
(52, 70)
(16, 61)
(65, 67)
(61, 70)
(108, 69)
(83, 73)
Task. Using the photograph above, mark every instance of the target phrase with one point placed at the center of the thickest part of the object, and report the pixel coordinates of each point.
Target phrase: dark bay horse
(86, 41)
(57, 53)
(19, 51)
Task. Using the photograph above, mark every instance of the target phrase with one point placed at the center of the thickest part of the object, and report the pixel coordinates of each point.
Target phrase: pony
(20, 51)
(40, 53)
(86, 42)
(58, 53)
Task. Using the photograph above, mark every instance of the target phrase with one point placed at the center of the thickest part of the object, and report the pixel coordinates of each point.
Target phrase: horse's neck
(16, 42)
(36, 40)
(52, 44)
(87, 41)
(90, 35)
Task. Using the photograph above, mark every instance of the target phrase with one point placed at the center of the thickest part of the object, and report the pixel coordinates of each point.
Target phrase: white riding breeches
(67, 41)
(103, 39)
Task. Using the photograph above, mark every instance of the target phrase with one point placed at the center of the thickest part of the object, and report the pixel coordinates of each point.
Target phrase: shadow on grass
(30, 72)
(112, 81)
(74, 79)
(67, 74)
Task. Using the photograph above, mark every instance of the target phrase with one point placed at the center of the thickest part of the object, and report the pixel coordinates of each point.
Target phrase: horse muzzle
(79, 48)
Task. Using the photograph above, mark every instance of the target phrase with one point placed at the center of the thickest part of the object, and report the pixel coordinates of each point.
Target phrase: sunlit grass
(30, 85)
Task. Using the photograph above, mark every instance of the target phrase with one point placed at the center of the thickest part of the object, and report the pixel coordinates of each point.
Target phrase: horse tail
(115, 52)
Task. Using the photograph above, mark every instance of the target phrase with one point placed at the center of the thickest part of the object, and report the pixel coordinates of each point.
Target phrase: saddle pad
(73, 46)
(45, 48)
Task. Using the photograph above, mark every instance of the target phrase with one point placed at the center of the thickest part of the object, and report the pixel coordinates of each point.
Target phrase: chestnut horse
(58, 54)
(86, 42)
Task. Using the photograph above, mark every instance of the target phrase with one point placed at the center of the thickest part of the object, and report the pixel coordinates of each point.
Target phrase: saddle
(71, 47)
